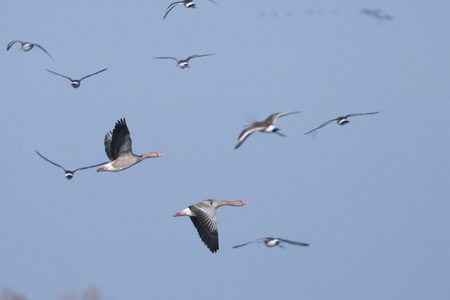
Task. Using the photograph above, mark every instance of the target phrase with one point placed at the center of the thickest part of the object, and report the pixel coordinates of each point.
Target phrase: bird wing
(251, 242)
(321, 125)
(172, 6)
(294, 243)
(50, 161)
(43, 50)
(273, 117)
(121, 141)
(361, 114)
(206, 224)
(107, 141)
(245, 133)
(93, 74)
(196, 55)
(168, 57)
(11, 43)
(60, 75)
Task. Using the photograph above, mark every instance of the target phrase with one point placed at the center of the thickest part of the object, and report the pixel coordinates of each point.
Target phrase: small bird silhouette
(76, 83)
(27, 46)
(341, 120)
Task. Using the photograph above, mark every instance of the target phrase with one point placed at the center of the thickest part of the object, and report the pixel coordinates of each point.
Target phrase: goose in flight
(76, 83)
(271, 242)
(183, 63)
(26, 46)
(118, 149)
(203, 216)
(264, 126)
(341, 120)
(69, 174)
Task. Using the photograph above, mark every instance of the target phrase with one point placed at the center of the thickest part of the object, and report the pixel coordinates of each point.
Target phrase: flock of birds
(119, 152)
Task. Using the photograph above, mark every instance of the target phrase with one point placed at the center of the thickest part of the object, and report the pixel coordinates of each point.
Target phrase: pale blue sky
(371, 197)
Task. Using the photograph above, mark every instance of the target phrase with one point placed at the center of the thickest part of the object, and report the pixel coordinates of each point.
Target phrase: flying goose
(76, 83)
(271, 242)
(183, 63)
(341, 120)
(118, 149)
(203, 215)
(26, 46)
(67, 173)
(264, 126)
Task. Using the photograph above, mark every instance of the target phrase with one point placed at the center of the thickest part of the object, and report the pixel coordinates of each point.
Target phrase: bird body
(76, 83)
(203, 216)
(27, 46)
(271, 242)
(341, 120)
(118, 149)
(264, 126)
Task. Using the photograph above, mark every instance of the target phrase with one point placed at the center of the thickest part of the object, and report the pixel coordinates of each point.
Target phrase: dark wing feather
(107, 141)
(206, 224)
(50, 161)
(93, 74)
(321, 125)
(11, 43)
(121, 141)
(361, 114)
(245, 244)
(43, 50)
(196, 55)
(167, 57)
(294, 243)
(60, 75)
(172, 6)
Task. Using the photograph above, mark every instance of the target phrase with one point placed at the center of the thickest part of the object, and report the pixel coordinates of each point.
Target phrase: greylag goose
(183, 63)
(271, 242)
(69, 174)
(118, 149)
(187, 3)
(203, 216)
(341, 120)
(26, 46)
(76, 83)
(264, 126)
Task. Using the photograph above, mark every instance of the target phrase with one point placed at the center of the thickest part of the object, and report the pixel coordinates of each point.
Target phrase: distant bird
(203, 216)
(183, 63)
(376, 13)
(118, 149)
(264, 126)
(271, 242)
(26, 46)
(187, 3)
(76, 83)
(341, 120)
(67, 173)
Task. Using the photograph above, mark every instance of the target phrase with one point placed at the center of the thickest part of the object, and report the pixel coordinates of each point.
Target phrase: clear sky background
(371, 197)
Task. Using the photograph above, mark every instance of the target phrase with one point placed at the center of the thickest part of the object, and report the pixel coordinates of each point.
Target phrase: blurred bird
(187, 3)
(118, 149)
(183, 63)
(26, 46)
(341, 120)
(264, 126)
(76, 83)
(271, 242)
(67, 173)
(203, 216)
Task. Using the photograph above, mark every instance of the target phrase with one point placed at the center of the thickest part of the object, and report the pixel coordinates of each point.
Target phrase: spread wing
(43, 50)
(168, 57)
(11, 43)
(362, 114)
(206, 224)
(121, 141)
(93, 74)
(321, 125)
(294, 243)
(60, 75)
(196, 55)
(172, 6)
(245, 134)
(272, 118)
(50, 161)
